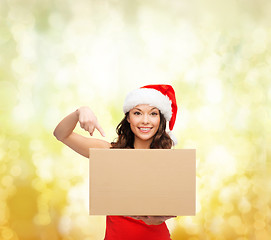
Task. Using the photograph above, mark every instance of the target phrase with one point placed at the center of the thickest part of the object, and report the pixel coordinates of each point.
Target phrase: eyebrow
(149, 110)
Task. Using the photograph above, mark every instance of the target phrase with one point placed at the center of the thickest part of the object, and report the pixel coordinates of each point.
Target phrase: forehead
(145, 107)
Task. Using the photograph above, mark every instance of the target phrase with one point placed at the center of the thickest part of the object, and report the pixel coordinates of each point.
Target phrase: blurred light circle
(7, 181)
(7, 233)
(8, 92)
(16, 171)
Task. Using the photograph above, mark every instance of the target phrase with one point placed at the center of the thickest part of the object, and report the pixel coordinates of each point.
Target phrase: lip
(144, 129)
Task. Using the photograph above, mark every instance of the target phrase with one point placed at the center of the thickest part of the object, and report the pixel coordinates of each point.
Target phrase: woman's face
(144, 121)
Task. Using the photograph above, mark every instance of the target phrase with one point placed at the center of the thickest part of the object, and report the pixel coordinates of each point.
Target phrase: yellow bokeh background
(57, 55)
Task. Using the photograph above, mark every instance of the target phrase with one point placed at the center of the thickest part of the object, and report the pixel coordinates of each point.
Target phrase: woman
(147, 111)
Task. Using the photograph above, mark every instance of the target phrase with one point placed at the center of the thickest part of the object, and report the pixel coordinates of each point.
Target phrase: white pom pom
(173, 138)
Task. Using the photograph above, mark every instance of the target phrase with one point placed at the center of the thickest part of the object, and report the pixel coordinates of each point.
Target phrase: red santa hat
(160, 96)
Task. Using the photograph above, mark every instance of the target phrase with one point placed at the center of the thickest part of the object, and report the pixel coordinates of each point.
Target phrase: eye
(154, 113)
(136, 113)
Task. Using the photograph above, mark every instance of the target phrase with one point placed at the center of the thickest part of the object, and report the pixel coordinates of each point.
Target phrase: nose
(145, 119)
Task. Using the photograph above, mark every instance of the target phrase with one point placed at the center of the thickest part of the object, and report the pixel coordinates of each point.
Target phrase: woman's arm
(88, 121)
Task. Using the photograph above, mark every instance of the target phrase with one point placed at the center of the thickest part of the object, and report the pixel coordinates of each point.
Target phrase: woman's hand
(64, 131)
(152, 220)
(88, 120)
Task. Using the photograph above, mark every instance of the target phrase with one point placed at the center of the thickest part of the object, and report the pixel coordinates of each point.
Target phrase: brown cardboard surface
(142, 182)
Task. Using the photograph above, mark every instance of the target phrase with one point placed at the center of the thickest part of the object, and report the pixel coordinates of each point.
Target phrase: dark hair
(126, 137)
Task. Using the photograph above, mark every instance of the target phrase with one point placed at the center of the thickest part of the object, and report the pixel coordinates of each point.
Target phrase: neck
(140, 144)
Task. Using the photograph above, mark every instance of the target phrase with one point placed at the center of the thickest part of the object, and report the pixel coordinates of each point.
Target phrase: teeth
(145, 129)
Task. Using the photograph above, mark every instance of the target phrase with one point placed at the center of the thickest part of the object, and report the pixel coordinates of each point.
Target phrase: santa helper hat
(160, 96)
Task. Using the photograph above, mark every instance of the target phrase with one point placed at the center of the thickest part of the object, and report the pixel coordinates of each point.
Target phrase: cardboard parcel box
(142, 182)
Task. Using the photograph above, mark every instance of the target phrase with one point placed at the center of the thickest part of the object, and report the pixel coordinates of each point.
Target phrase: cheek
(132, 121)
(157, 122)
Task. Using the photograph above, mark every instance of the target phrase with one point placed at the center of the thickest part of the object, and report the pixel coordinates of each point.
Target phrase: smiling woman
(147, 111)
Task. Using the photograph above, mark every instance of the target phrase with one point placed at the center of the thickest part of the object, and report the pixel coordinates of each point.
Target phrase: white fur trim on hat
(148, 96)
(173, 138)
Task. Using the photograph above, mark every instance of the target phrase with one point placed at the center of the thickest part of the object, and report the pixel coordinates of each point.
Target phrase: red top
(127, 228)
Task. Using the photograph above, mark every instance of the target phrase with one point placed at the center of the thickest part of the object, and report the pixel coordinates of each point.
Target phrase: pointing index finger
(99, 128)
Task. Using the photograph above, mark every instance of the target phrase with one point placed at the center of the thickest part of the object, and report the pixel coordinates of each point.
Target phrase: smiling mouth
(145, 129)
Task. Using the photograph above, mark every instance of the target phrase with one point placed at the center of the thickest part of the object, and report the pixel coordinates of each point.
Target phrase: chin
(145, 138)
